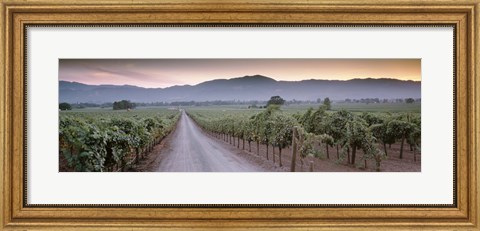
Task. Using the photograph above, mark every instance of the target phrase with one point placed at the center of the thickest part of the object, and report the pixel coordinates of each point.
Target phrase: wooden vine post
(294, 149)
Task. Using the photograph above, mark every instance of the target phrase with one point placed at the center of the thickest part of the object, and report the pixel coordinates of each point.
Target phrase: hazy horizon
(162, 73)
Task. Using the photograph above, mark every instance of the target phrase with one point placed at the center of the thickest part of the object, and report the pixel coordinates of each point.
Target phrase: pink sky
(153, 73)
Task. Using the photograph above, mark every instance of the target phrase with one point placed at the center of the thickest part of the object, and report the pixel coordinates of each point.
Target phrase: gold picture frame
(16, 15)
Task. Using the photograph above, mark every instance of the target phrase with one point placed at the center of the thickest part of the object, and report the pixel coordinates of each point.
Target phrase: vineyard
(287, 138)
(101, 141)
(342, 137)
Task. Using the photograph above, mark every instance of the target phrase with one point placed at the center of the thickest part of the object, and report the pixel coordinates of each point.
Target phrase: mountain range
(255, 87)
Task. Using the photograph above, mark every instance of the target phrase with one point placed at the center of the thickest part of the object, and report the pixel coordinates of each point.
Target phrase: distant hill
(254, 87)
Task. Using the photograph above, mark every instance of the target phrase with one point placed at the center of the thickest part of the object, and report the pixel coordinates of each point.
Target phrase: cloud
(107, 72)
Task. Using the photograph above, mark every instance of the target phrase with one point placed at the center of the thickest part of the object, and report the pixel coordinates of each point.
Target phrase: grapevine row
(317, 131)
(109, 141)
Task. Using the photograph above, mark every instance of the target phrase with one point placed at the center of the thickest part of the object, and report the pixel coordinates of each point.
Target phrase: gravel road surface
(191, 150)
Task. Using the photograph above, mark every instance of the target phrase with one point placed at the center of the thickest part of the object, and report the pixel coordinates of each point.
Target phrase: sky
(161, 73)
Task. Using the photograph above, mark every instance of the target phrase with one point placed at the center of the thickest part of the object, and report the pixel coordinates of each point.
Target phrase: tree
(414, 138)
(240, 131)
(318, 121)
(351, 132)
(372, 118)
(306, 120)
(266, 130)
(409, 100)
(123, 105)
(354, 135)
(336, 126)
(255, 124)
(380, 130)
(65, 106)
(327, 103)
(306, 145)
(250, 133)
(318, 124)
(264, 125)
(328, 141)
(282, 132)
(402, 127)
(371, 151)
(275, 100)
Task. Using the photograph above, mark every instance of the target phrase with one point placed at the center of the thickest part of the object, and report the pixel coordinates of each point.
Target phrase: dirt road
(190, 150)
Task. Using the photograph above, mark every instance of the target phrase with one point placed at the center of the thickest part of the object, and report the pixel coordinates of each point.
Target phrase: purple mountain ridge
(255, 87)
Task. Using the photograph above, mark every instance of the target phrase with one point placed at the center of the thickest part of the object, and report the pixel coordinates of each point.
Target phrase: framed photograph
(239, 115)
